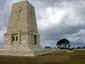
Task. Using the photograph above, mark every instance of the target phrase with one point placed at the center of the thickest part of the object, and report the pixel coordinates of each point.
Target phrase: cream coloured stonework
(22, 37)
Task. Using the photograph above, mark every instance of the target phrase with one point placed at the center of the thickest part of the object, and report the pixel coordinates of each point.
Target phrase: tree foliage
(64, 42)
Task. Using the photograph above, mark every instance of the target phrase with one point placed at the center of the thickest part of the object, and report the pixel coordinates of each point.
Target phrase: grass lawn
(76, 57)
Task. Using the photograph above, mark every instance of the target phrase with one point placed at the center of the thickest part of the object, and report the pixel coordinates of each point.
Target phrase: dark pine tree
(64, 42)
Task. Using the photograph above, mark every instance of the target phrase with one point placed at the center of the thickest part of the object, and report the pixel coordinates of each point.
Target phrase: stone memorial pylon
(22, 32)
(22, 37)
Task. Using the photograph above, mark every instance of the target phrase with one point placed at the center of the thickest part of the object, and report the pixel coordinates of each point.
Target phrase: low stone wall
(44, 51)
(16, 53)
(25, 53)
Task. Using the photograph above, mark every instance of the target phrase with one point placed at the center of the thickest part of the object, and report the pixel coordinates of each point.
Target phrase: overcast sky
(56, 19)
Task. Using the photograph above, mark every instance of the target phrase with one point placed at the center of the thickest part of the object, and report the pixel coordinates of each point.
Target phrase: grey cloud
(2, 4)
(58, 31)
(5, 6)
(50, 3)
(4, 12)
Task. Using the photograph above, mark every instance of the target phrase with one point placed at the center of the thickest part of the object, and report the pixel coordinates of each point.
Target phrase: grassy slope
(77, 57)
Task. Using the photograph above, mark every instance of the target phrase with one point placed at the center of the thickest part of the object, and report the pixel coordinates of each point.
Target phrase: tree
(63, 43)
(47, 47)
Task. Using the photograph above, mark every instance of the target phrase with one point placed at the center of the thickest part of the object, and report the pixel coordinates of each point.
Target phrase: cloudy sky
(56, 19)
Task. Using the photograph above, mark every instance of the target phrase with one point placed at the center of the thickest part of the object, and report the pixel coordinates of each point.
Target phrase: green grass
(76, 57)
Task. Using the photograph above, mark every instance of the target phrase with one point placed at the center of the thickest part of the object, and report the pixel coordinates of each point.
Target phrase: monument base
(25, 52)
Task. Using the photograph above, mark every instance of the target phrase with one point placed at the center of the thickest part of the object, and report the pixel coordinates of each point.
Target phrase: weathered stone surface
(22, 27)
(22, 37)
(25, 52)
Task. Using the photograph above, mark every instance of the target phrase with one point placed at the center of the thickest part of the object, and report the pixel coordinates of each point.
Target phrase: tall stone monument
(22, 29)
(22, 37)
